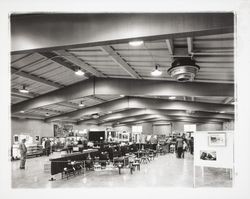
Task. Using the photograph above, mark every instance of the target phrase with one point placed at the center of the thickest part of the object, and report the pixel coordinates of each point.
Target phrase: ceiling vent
(183, 69)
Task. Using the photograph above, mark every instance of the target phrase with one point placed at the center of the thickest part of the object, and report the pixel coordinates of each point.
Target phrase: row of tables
(72, 164)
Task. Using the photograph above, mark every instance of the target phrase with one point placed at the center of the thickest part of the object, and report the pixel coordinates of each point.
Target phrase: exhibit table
(58, 164)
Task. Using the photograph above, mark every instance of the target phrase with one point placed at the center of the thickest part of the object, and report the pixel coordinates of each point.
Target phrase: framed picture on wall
(208, 155)
(217, 139)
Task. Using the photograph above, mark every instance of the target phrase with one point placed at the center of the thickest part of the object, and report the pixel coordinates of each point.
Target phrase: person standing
(23, 153)
(179, 146)
(191, 142)
(43, 145)
(47, 146)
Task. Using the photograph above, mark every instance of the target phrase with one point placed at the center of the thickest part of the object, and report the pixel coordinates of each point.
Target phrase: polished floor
(163, 171)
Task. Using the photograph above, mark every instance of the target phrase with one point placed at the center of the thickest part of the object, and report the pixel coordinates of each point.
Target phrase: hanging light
(23, 90)
(135, 43)
(172, 97)
(156, 72)
(122, 95)
(95, 116)
(81, 104)
(47, 114)
(21, 111)
(79, 72)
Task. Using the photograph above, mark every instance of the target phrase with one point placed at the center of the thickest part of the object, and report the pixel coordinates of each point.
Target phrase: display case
(15, 152)
(34, 150)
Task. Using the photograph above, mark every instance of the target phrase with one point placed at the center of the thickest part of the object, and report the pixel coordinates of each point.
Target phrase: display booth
(213, 149)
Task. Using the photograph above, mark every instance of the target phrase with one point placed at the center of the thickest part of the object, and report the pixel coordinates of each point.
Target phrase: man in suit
(23, 153)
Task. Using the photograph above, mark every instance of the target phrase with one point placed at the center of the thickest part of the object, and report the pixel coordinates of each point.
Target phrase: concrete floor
(164, 171)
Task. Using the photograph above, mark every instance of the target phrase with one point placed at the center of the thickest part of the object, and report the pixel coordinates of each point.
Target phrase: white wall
(162, 129)
(209, 127)
(89, 126)
(31, 127)
(147, 128)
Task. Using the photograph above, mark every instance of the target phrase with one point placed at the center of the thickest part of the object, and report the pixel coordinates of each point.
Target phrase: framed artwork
(217, 139)
(63, 130)
(208, 155)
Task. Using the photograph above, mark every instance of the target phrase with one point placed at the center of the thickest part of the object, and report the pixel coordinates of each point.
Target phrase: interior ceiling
(44, 72)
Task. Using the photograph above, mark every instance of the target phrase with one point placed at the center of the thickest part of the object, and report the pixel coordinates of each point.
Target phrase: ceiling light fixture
(95, 116)
(22, 111)
(156, 72)
(172, 97)
(135, 43)
(23, 90)
(79, 72)
(47, 114)
(122, 95)
(81, 104)
(222, 111)
(183, 69)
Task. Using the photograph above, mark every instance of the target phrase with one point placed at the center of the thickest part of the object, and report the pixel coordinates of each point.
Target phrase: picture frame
(208, 155)
(217, 139)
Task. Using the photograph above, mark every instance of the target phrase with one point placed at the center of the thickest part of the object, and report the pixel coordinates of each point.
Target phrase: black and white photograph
(124, 100)
(126, 72)
(208, 155)
(217, 139)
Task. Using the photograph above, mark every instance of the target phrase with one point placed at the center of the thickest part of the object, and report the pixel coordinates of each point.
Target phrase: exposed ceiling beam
(50, 111)
(152, 118)
(74, 91)
(128, 87)
(164, 117)
(170, 46)
(78, 62)
(135, 112)
(25, 56)
(36, 78)
(29, 64)
(117, 59)
(58, 60)
(69, 105)
(15, 92)
(104, 107)
(82, 30)
(228, 100)
(97, 99)
(27, 116)
(144, 103)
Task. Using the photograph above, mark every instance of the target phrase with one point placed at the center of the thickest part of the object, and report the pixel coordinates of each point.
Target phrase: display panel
(96, 136)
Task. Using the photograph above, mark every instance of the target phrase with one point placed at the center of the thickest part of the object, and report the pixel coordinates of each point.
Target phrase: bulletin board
(214, 149)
